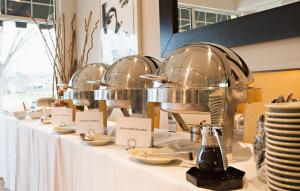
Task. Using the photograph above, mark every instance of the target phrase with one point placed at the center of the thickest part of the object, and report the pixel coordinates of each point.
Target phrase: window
(26, 71)
(191, 17)
(185, 19)
(43, 9)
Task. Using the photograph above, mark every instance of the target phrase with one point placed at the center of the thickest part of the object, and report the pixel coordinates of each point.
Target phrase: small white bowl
(35, 114)
(20, 114)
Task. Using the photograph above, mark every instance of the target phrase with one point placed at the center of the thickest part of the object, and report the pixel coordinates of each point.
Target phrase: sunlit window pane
(25, 68)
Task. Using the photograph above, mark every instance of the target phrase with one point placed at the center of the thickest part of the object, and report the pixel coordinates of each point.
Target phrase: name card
(88, 120)
(61, 115)
(133, 132)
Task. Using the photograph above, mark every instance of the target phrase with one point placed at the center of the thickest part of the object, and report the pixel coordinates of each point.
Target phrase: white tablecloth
(34, 158)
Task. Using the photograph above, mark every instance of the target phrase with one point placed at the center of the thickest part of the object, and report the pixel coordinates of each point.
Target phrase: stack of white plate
(283, 145)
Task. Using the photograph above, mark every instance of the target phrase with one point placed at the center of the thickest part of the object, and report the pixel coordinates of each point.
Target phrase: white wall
(67, 8)
(83, 8)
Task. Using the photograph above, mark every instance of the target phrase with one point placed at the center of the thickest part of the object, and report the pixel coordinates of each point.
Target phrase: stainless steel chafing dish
(83, 83)
(202, 78)
(122, 88)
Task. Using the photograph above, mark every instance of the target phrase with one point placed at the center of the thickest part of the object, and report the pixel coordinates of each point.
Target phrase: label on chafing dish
(133, 132)
(61, 115)
(89, 120)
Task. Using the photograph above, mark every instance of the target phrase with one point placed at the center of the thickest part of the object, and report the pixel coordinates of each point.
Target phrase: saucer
(280, 120)
(282, 185)
(139, 155)
(64, 130)
(281, 172)
(283, 149)
(286, 161)
(288, 107)
(286, 126)
(98, 142)
(282, 143)
(273, 176)
(283, 132)
(283, 115)
(277, 153)
(286, 167)
(283, 137)
(274, 187)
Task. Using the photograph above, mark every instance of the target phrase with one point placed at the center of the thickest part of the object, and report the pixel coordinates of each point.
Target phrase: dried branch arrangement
(62, 55)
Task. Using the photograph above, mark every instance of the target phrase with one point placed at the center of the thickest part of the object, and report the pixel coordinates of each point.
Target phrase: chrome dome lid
(121, 80)
(84, 82)
(192, 73)
(81, 80)
(205, 65)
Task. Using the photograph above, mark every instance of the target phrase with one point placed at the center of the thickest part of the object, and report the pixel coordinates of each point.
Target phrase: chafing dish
(83, 83)
(122, 88)
(202, 78)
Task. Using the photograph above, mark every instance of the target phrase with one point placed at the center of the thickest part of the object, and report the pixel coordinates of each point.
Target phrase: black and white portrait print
(117, 15)
(118, 29)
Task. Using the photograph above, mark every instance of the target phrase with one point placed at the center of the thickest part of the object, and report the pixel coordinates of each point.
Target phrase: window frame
(193, 9)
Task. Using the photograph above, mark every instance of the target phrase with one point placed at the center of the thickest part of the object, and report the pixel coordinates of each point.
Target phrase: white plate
(283, 143)
(283, 138)
(283, 172)
(285, 132)
(292, 162)
(294, 150)
(268, 113)
(282, 179)
(20, 114)
(283, 185)
(47, 122)
(98, 142)
(283, 166)
(35, 114)
(280, 120)
(287, 126)
(284, 107)
(139, 155)
(295, 156)
(64, 130)
(275, 187)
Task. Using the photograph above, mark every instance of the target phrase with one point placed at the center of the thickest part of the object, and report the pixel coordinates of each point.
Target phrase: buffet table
(33, 157)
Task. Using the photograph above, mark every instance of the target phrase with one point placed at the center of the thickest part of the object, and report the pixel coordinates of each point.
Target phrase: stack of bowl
(283, 145)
